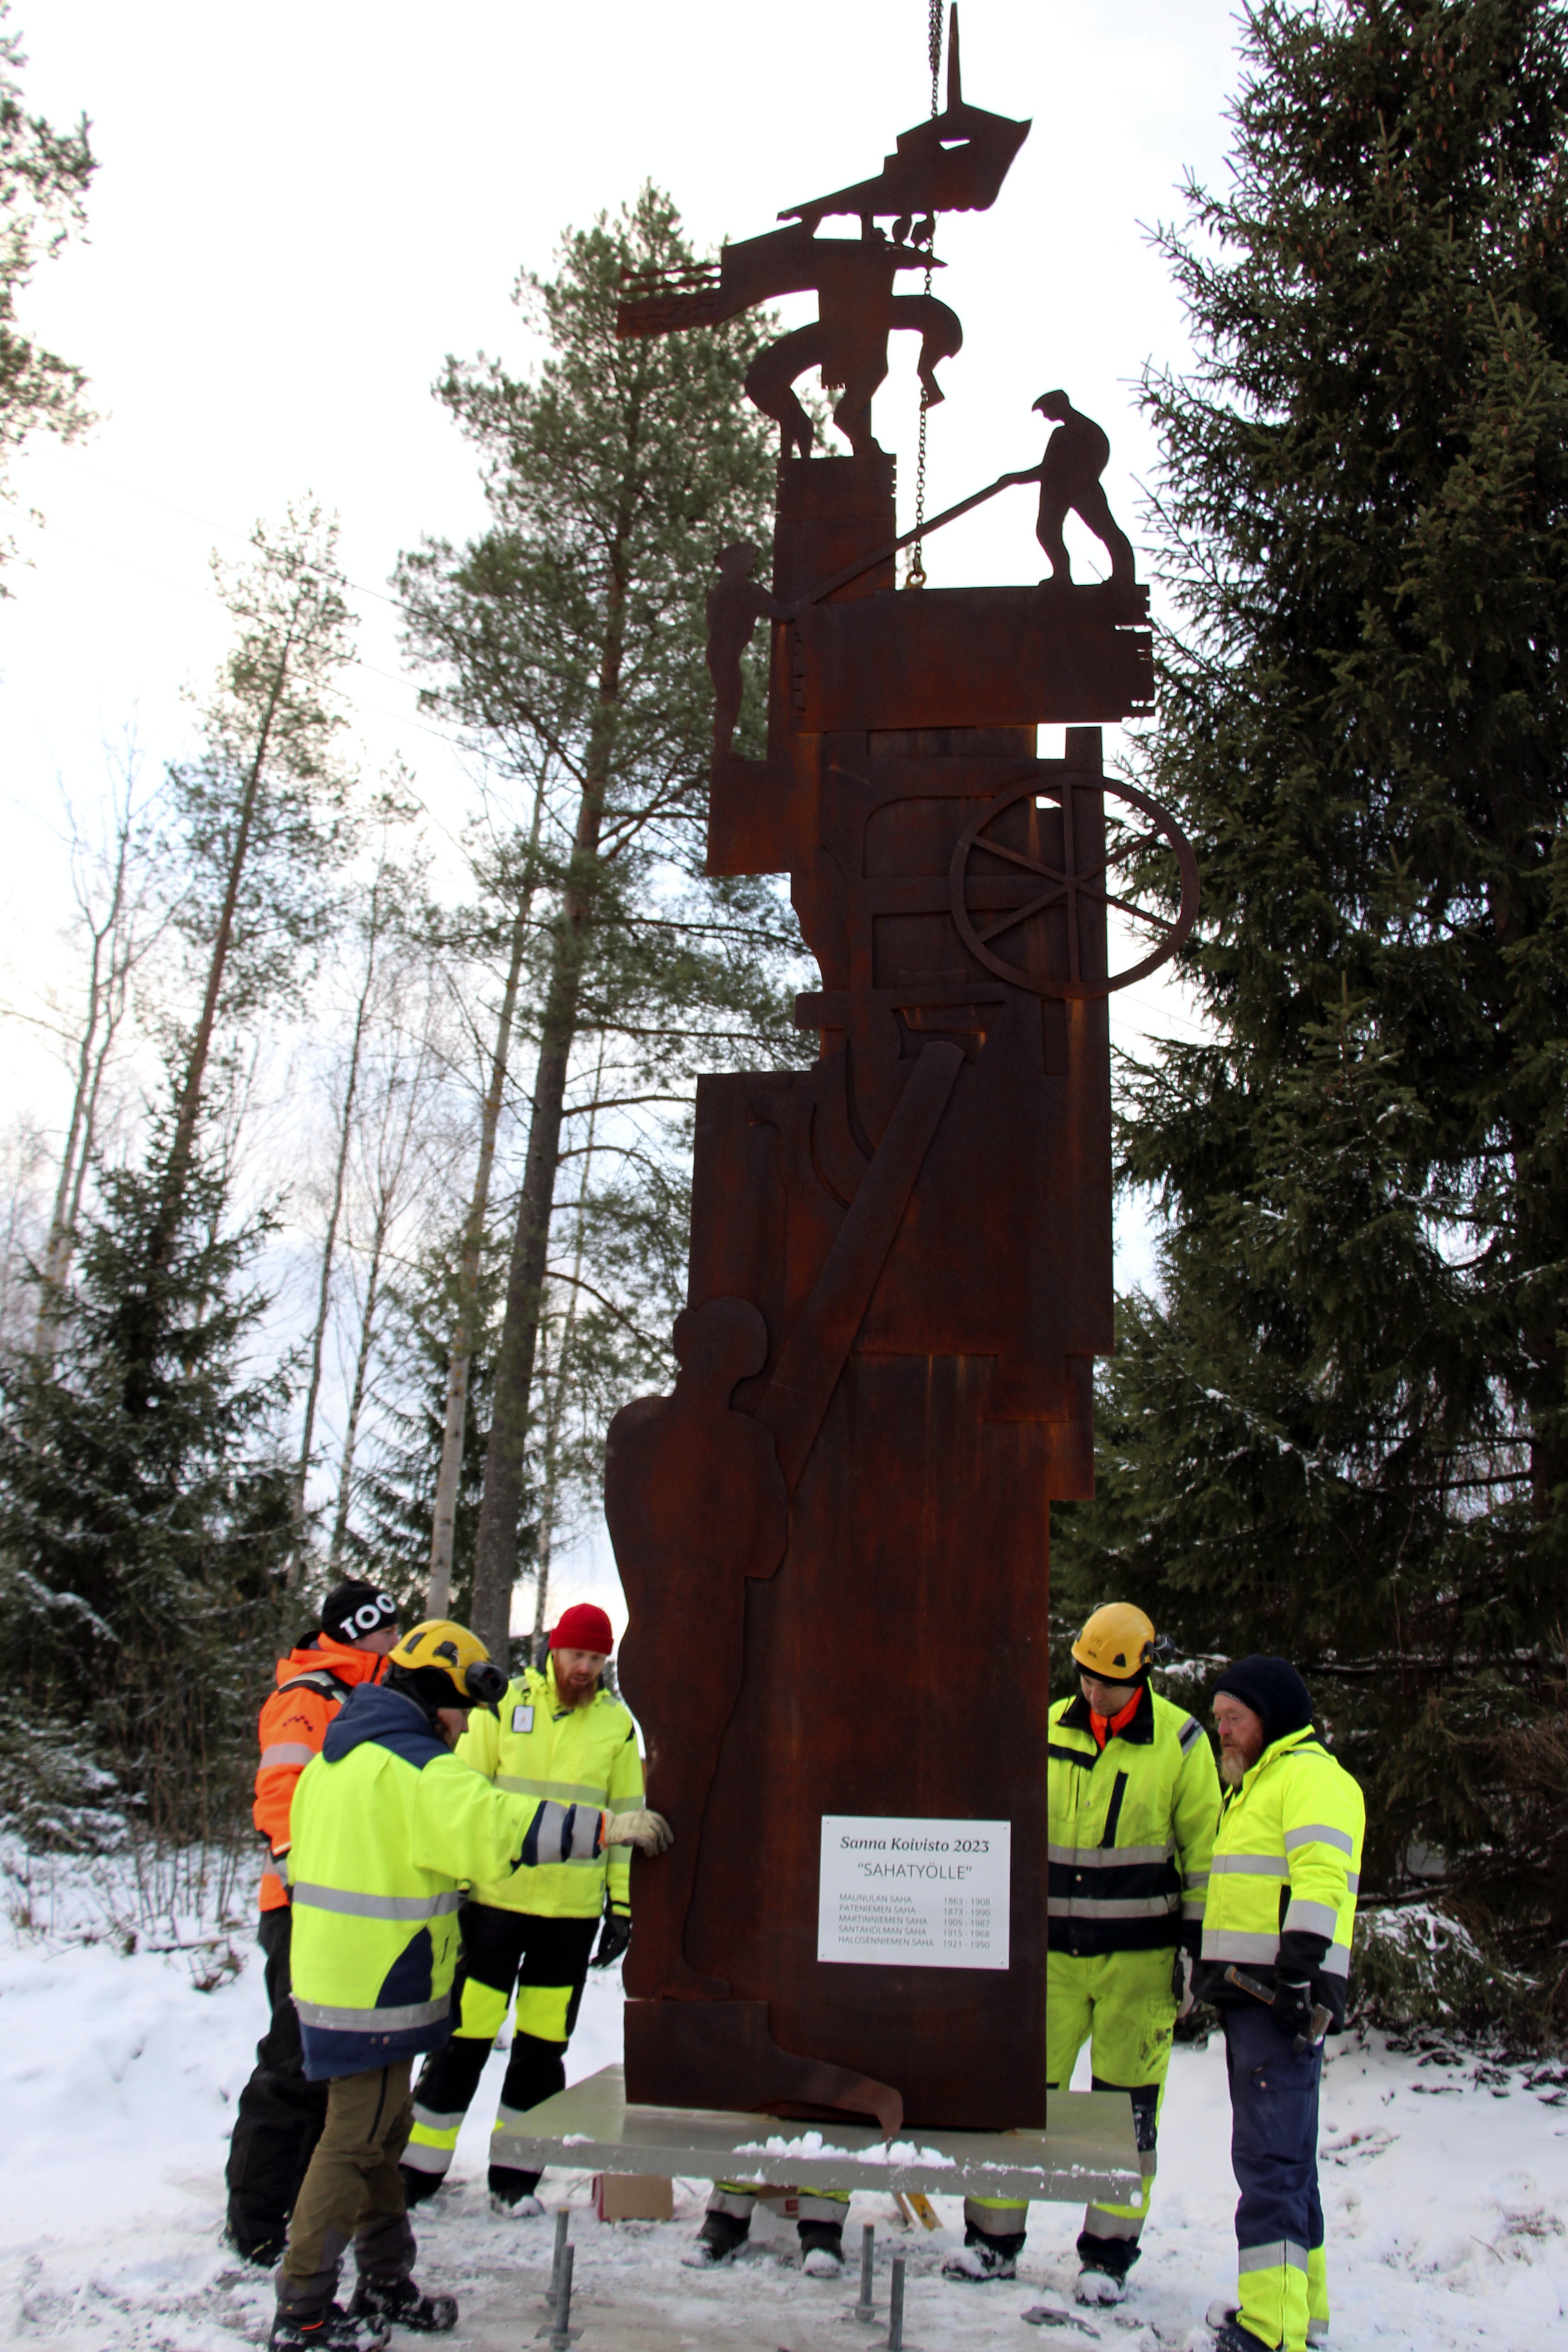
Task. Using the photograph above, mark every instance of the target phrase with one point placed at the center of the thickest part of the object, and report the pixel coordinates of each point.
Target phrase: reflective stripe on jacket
(312, 1684)
(575, 1755)
(388, 1826)
(1131, 1826)
(1285, 1873)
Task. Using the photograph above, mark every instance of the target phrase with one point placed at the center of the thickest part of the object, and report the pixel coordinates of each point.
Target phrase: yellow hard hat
(1116, 1644)
(440, 1646)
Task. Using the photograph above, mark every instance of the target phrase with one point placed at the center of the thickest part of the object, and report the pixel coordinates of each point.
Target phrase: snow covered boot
(821, 2249)
(392, 2302)
(513, 2191)
(1093, 2285)
(335, 2331)
(719, 2239)
(981, 2259)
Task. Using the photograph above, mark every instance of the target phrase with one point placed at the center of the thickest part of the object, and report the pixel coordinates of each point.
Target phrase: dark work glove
(1292, 2010)
(614, 1937)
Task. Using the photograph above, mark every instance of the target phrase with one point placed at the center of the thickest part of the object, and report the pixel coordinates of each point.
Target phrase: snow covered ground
(1446, 2183)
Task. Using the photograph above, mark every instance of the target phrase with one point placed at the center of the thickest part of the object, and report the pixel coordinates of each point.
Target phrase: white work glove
(649, 1832)
(1181, 1971)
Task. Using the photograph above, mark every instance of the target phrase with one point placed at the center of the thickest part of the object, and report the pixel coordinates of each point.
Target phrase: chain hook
(916, 575)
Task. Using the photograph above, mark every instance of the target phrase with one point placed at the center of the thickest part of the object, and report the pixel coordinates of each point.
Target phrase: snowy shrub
(53, 1796)
(1415, 1966)
(194, 1903)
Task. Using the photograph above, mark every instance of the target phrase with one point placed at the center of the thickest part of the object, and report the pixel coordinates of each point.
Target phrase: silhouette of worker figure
(857, 309)
(736, 603)
(1068, 476)
(955, 161)
(696, 1504)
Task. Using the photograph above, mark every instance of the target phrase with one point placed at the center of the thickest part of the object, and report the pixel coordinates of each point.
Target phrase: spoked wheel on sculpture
(1034, 861)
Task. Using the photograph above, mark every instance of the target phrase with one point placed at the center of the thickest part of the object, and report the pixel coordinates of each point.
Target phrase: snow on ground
(1445, 2180)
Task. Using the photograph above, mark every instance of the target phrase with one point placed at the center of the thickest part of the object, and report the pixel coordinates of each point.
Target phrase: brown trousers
(352, 2193)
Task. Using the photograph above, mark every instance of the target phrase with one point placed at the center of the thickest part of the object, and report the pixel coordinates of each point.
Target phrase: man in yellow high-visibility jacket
(280, 2113)
(558, 1735)
(1282, 1903)
(1133, 1801)
(387, 1825)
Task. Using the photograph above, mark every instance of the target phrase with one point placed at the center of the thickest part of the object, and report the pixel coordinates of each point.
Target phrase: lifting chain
(916, 577)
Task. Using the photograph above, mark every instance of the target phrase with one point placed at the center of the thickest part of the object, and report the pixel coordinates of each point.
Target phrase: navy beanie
(1274, 1691)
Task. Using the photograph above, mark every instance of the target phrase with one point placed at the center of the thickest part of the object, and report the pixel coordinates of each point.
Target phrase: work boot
(1229, 2334)
(513, 2191)
(397, 2302)
(336, 2330)
(1093, 2285)
(821, 2249)
(981, 2259)
(719, 2239)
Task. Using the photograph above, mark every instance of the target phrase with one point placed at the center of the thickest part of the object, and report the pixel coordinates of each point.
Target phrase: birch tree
(395, 1149)
(262, 808)
(379, 924)
(122, 909)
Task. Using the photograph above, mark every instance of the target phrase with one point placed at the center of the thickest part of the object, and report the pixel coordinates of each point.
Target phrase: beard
(1232, 1766)
(579, 1690)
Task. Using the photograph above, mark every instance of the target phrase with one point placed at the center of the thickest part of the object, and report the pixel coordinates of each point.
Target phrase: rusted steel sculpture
(833, 1536)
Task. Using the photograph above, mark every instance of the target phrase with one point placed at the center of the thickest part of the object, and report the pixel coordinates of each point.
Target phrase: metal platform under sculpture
(1087, 2149)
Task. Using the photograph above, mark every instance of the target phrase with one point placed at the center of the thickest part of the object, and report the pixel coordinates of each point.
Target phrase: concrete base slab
(1086, 2151)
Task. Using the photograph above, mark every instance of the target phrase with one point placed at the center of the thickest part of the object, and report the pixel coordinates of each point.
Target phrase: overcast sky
(300, 208)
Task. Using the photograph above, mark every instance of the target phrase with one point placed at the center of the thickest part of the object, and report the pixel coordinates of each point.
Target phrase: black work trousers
(280, 2115)
(546, 1960)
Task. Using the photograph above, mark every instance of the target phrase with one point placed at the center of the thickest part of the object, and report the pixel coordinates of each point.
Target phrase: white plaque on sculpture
(903, 1894)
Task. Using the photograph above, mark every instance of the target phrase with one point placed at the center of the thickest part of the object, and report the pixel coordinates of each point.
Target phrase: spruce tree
(145, 1521)
(1340, 1431)
(43, 177)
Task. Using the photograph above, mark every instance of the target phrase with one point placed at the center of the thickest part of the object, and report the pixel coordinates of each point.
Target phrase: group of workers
(444, 1841)
(439, 1837)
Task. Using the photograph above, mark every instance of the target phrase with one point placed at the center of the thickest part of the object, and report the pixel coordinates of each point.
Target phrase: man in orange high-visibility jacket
(280, 2115)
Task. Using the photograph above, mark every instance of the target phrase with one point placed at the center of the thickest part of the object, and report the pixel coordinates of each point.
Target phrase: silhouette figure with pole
(1068, 476)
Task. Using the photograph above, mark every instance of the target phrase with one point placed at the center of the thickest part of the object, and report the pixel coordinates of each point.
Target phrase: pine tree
(614, 1285)
(514, 887)
(144, 1498)
(568, 640)
(1342, 1431)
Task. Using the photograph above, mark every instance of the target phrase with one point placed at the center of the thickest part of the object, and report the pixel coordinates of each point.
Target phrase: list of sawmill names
(912, 1893)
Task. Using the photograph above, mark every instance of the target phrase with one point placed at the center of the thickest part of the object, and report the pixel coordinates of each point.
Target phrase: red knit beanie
(584, 1628)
